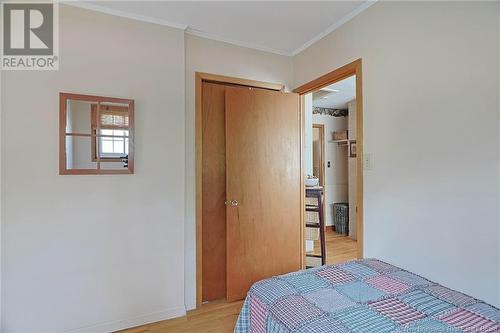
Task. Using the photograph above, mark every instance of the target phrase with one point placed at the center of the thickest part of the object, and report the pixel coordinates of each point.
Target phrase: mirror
(96, 135)
(318, 152)
(78, 116)
(78, 153)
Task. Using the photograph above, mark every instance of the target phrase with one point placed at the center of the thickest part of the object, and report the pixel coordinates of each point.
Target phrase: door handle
(231, 203)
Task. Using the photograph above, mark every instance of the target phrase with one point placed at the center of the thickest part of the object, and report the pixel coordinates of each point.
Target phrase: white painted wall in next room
(335, 175)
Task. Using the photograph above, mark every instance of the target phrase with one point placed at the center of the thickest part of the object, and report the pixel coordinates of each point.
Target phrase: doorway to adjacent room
(332, 107)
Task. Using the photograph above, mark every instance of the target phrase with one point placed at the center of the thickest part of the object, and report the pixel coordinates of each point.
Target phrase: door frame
(321, 128)
(322, 172)
(353, 68)
(201, 77)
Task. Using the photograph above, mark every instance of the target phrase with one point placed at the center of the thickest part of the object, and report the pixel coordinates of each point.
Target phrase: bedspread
(361, 296)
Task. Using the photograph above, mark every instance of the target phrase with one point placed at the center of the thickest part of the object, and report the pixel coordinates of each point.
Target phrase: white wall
(308, 134)
(336, 175)
(100, 250)
(203, 55)
(430, 96)
(308, 148)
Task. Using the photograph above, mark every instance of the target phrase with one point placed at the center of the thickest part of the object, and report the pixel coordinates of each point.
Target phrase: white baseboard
(130, 322)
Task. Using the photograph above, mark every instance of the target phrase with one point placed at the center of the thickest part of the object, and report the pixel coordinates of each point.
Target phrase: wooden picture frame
(99, 101)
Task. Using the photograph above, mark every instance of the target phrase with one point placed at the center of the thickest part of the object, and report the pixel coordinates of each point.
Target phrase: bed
(361, 296)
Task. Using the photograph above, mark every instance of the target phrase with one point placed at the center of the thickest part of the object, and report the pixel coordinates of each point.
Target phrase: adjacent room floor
(339, 248)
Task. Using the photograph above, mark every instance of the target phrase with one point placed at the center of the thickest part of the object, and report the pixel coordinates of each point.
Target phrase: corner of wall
(189, 190)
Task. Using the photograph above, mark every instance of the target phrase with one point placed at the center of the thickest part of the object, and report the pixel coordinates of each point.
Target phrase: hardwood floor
(339, 248)
(220, 316)
(214, 317)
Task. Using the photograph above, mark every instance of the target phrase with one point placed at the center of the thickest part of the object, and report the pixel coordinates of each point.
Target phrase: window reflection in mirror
(96, 135)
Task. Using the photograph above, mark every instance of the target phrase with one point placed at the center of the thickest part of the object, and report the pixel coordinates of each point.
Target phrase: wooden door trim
(215, 78)
(353, 68)
(321, 128)
(201, 77)
(322, 172)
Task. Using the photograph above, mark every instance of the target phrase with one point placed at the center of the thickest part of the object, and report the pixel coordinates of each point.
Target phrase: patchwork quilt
(361, 296)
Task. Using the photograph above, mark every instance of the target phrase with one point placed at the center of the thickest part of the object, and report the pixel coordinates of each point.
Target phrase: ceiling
(337, 95)
(283, 27)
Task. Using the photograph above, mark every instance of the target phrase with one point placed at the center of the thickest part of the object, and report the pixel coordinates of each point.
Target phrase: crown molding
(235, 42)
(102, 9)
(194, 32)
(334, 26)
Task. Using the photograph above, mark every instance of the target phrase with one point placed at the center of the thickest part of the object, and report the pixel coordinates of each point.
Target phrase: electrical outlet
(368, 161)
(328, 164)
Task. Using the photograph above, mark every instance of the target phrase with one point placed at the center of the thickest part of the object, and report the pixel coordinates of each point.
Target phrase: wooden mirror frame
(63, 170)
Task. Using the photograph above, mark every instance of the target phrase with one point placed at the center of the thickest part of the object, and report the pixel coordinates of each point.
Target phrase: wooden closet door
(214, 192)
(263, 182)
